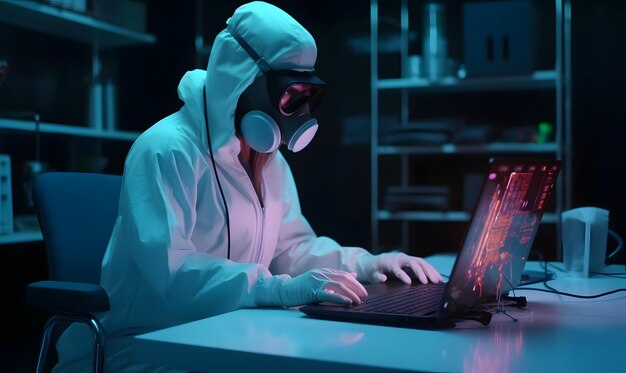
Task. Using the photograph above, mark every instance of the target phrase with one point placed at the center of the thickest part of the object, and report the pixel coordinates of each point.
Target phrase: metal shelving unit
(557, 81)
(24, 126)
(537, 80)
(491, 148)
(439, 216)
(71, 26)
(20, 237)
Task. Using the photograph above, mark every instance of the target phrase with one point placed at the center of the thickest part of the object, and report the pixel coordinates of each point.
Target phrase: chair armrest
(67, 297)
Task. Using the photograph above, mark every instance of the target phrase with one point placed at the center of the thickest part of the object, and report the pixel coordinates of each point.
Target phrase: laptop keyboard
(411, 300)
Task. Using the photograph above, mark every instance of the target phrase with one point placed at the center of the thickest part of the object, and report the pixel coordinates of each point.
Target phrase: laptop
(490, 261)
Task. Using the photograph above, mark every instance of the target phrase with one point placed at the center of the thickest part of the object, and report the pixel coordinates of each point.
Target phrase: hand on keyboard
(375, 268)
(316, 285)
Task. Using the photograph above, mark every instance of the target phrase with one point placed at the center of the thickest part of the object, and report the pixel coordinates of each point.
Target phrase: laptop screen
(501, 231)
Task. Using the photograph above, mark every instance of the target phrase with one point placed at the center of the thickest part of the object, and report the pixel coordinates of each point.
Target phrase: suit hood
(274, 35)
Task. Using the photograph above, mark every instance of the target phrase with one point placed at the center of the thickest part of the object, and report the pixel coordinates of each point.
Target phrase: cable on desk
(620, 243)
(547, 275)
(552, 290)
(555, 291)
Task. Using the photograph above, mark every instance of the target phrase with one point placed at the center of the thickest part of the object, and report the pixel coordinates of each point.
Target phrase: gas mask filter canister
(276, 108)
(273, 115)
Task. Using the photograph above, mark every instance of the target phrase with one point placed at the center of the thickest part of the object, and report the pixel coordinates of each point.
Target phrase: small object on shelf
(474, 134)
(34, 167)
(414, 67)
(430, 131)
(498, 37)
(545, 132)
(6, 199)
(461, 72)
(417, 197)
(30, 172)
(435, 43)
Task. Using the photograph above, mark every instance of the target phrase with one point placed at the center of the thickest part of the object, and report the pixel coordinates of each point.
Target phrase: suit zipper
(261, 227)
(259, 209)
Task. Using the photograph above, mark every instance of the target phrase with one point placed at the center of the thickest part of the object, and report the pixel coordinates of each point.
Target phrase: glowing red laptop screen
(502, 231)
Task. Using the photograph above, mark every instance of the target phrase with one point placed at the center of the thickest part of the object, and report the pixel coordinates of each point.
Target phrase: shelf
(441, 216)
(394, 110)
(545, 79)
(64, 129)
(451, 216)
(26, 229)
(20, 237)
(498, 147)
(68, 24)
(389, 43)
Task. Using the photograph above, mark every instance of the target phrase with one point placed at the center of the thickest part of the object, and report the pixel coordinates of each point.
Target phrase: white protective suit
(166, 261)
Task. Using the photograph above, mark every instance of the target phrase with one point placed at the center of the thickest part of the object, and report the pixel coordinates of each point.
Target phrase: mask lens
(297, 95)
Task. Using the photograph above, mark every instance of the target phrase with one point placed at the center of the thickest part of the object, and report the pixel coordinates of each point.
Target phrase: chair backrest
(76, 212)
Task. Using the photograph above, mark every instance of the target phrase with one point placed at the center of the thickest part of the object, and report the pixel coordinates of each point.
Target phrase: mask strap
(217, 176)
(263, 65)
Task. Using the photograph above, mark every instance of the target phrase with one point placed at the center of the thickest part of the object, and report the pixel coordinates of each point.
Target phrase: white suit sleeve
(299, 248)
(157, 217)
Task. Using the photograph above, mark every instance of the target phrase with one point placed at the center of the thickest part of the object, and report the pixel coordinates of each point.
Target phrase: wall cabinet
(90, 130)
(480, 80)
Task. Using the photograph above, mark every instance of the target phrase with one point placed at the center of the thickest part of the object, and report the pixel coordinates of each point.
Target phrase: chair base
(96, 329)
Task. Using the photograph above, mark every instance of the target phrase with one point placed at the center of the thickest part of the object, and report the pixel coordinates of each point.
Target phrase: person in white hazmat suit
(209, 219)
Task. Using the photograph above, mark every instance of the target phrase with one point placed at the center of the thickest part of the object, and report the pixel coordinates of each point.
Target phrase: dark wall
(599, 108)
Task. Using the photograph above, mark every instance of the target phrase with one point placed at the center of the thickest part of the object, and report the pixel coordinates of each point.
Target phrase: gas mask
(276, 108)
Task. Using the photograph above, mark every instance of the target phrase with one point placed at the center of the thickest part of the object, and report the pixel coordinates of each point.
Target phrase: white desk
(554, 334)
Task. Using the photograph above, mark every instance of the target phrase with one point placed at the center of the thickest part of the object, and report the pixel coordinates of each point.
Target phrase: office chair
(76, 212)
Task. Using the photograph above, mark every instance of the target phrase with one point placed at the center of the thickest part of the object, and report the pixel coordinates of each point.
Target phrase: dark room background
(333, 173)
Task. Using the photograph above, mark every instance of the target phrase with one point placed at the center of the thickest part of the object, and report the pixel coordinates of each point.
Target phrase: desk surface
(554, 333)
